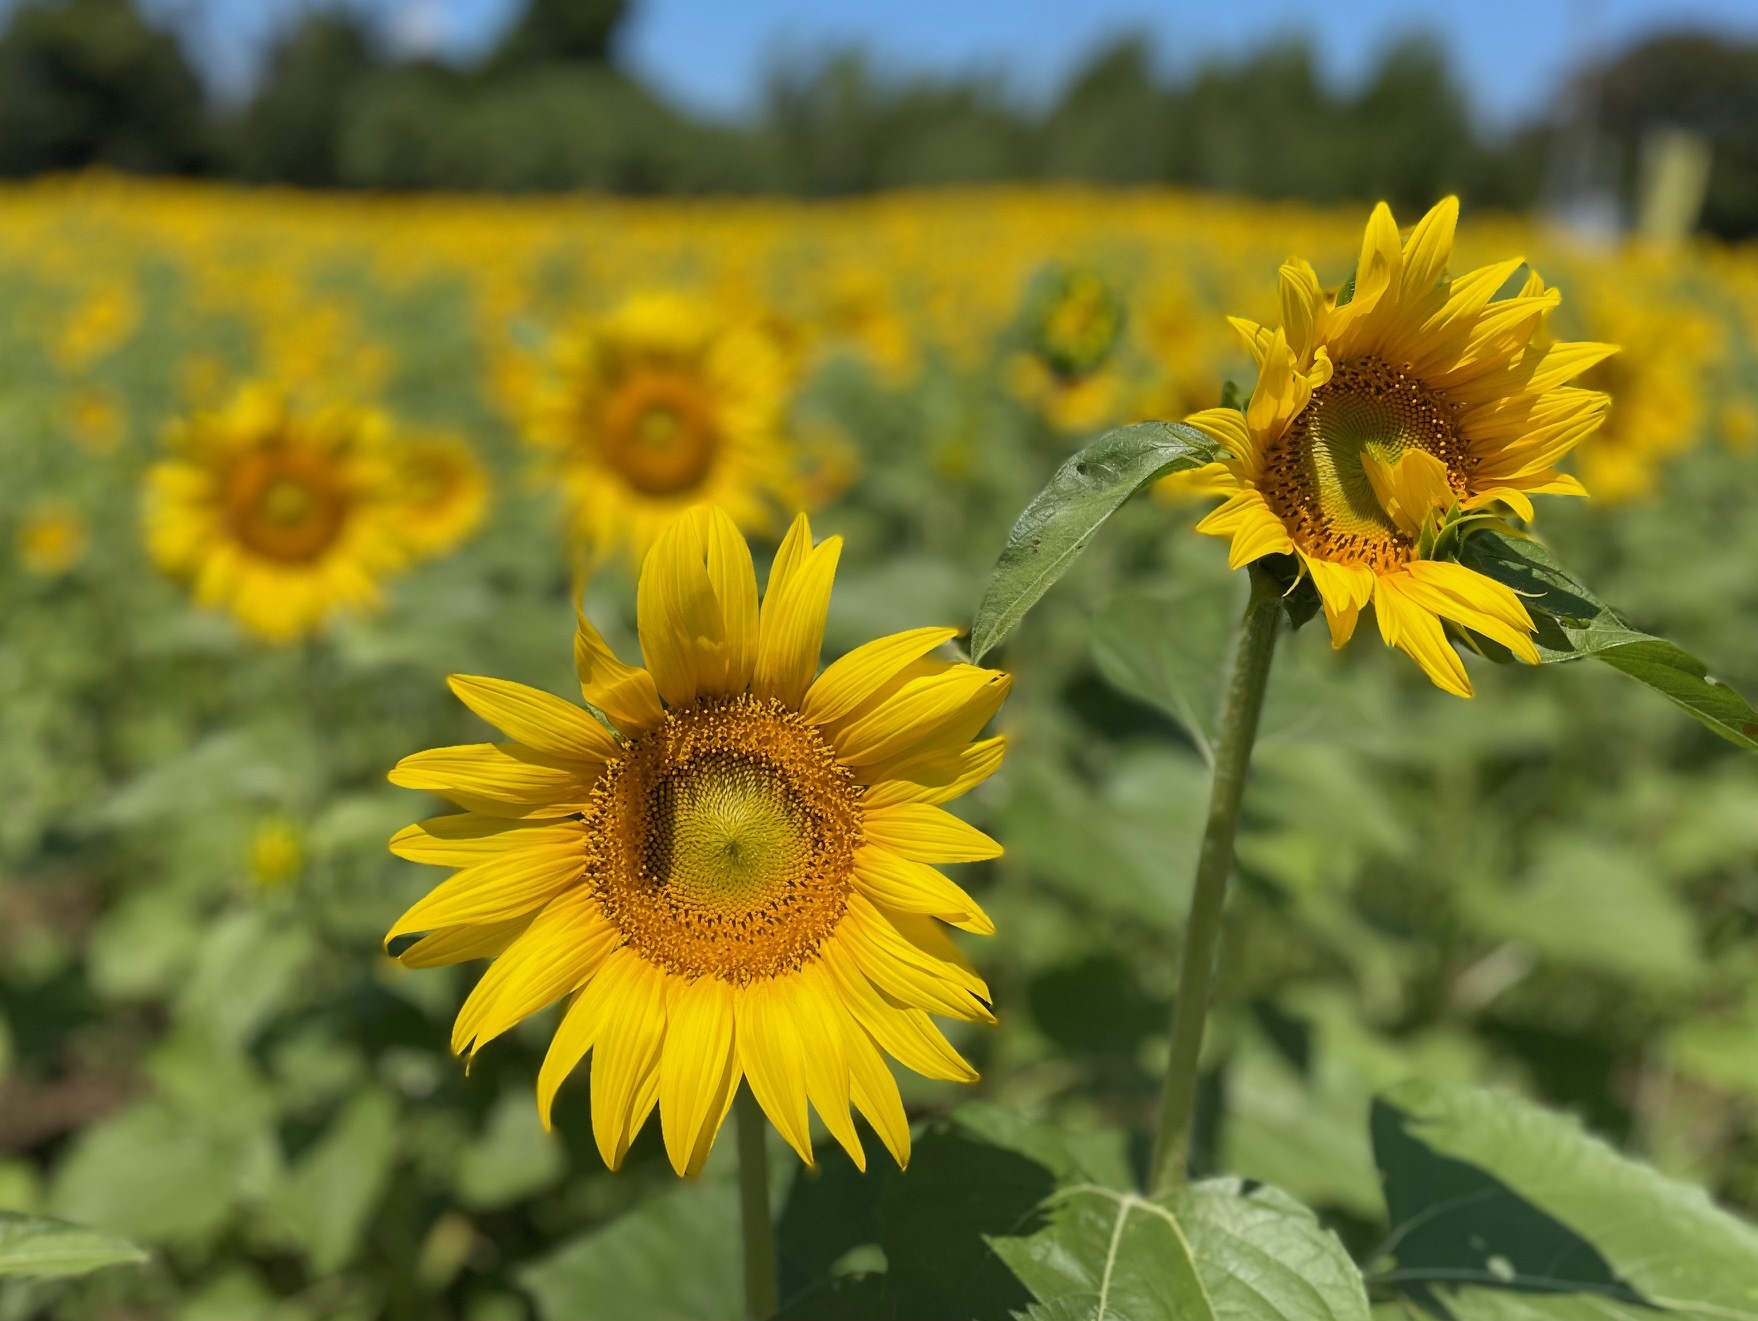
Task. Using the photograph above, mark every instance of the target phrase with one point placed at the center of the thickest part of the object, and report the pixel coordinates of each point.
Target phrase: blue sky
(712, 54)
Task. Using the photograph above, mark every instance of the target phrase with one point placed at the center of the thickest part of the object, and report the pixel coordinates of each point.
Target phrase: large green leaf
(329, 1197)
(1573, 623)
(1169, 649)
(30, 1245)
(1056, 525)
(1500, 1209)
(1209, 1252)
(673, 1258)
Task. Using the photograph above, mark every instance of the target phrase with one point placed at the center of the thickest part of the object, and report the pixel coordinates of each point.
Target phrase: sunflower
(732, 876)
(281, 517)
(1384, 415)
(659, 406)
(442, 492)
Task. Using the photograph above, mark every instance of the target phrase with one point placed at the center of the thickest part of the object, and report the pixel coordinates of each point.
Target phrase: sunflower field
(1448, 1008)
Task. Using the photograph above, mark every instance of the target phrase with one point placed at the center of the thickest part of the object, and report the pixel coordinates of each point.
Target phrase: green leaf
(30, 1245)
(673, 1258)
(1573, 623)
(329, 1197)
(1204, 1253)
(1169, 649)
(1587, 903)
(1500, 1209)
(1059, 521)
(514, 1157)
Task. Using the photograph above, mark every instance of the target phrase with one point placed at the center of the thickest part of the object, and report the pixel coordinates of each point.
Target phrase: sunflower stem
(757, 1227)
(1253, 646)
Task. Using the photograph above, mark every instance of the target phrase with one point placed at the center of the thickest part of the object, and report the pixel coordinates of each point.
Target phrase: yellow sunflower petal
(466, 838)
(793, 613)
(820, 1018)
(625, 693)
(773, 1058)
(507, 885)
(684, 632)
(563, 946)
(950, 707)
(535, 718)
(905, 885)
(1468, 598)
(899, 966)
(462, 944)
(625, 1059)
(499, 779)
(927, 834)
(874, 1092)
(617, 989)
(848, 682)
(1418, 633)
(906, 1033)
(1225, 426)
(1343, 590)
(1302, 300)
(1428, 251)
(694, 1067)
(937, 776)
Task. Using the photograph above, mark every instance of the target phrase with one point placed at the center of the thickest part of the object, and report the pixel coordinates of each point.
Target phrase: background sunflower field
(1550, 890)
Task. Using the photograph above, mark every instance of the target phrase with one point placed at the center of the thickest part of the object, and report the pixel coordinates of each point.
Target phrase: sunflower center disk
(726, 841)
(286, 504)
(659, 432)
(1316, 477)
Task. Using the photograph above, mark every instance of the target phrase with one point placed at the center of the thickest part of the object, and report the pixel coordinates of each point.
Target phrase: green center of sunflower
(724, 840)
(728, 832)
(1318, 474)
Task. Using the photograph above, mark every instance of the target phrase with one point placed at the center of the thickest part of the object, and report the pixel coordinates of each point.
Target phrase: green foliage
(1056, 526)
(1210, 1251)
(88, 82)
(1502, 1210)
(1573, 623)
(675, 1258)
(30, 1245)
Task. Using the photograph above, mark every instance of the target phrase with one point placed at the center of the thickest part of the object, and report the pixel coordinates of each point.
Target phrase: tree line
(549, 107)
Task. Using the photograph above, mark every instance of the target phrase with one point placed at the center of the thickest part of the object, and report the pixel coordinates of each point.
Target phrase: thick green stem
(1252, 650)
(758, 1229)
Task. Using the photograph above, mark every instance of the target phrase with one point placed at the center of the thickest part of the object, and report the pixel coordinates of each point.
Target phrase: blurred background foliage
(551, 107)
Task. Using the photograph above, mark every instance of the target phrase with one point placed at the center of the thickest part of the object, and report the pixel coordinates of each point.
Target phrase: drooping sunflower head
(727, 861)
(281, 517)
(660, 405)
(1385, 413)
(441, 490)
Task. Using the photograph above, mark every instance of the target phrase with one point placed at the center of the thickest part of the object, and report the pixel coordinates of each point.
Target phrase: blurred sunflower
(1382, 415)
(661, 405)
(51, 540)
(1073, 326)
(281, 517)
(442, 492)
(735, 880)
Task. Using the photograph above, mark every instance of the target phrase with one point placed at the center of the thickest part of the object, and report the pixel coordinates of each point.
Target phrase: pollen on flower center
(1316, 476)
(726, 841)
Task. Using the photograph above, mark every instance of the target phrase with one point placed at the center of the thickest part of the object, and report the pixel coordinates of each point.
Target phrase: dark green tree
(291, 130)
(1694, 81)
(561, 32)
(89, 82)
